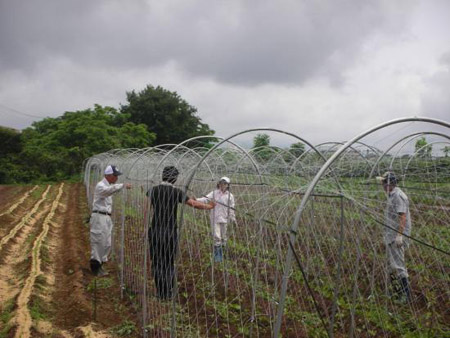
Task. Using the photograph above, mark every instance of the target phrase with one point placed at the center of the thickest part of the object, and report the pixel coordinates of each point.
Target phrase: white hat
(388, 177)
(226, 179)
(112, 170)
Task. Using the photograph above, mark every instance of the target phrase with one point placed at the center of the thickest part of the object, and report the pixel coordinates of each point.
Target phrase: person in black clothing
(163, 236)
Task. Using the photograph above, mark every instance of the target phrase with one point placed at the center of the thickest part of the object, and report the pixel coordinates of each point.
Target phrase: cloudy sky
(322, 69)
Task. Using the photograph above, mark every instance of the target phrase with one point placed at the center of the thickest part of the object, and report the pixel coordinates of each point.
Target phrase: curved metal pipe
(293, 236)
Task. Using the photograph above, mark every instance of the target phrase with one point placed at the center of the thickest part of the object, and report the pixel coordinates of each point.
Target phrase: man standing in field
(100, 222)
(162, 235)
(398, 223)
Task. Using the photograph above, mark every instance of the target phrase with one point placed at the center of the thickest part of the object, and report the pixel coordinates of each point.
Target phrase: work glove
(399, 240)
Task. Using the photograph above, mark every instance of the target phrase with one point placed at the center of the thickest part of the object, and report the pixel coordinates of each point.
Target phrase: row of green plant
(327, 208)
(379, 322)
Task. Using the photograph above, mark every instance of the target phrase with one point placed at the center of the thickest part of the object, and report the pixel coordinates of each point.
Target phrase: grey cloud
(236, 42)
(445, 60)
(436, 99)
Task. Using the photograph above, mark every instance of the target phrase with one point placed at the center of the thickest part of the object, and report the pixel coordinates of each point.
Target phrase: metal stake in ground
(95, 300)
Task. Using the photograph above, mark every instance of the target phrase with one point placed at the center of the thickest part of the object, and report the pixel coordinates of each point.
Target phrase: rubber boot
(218, 255)
(406, 292)
(95, 267)
(102, 272)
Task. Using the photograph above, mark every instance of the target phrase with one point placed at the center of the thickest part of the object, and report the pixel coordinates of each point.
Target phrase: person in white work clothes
(221, 215)
(398, 224)
(100, 221)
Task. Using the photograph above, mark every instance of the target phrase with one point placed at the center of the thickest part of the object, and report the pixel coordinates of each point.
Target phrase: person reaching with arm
(163, 233)
(100, 221)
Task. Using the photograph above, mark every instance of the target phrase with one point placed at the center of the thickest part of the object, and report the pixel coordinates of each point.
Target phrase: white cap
(112, 170)
(388, 177)
(226, 179)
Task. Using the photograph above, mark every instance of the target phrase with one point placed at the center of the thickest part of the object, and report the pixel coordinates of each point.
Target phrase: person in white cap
(398, 224)
(100, 221)
(221, 215)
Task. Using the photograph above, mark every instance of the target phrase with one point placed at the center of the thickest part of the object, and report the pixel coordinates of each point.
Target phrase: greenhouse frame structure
(305, 256)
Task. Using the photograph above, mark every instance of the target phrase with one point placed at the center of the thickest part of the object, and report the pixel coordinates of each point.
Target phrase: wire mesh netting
(294, 245)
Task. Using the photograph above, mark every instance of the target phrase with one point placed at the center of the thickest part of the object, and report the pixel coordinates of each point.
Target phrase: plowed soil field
(46, 288)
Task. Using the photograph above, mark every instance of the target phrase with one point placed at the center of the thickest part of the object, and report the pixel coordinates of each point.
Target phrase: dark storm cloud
(238, 42)
(285, 42)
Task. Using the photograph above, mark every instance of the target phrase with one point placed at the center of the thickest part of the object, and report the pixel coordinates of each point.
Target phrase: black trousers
(162, 253)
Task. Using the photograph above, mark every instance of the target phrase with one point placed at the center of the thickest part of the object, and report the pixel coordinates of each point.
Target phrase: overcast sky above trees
(325, 70)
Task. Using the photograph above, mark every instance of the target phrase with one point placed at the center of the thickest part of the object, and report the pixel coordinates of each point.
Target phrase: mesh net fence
(294, 244)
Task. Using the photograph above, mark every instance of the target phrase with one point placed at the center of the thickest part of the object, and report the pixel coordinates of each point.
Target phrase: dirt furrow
(19, 202)
(14, 258)
(46, 288)
(72, 293)
(23, 317)
(70, 242)
(25, 219)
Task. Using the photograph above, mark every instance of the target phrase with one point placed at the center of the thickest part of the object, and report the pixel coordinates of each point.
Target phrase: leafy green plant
(100, 283)
(37, 307)
(5, 317)
(125, 329)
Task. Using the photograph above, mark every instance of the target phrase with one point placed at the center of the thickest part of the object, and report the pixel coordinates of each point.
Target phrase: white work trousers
(396, 260)
(220, 234)
(101, 228)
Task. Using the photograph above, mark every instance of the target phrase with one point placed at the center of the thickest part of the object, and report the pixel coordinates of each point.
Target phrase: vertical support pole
(145, 282)
(351, 332)
(255, 279)
(259, 252)
(338, 274)
(278, 262)
(144, 272)
(284, 281)
(122, 254)
(386, 270)
(95, 299)
(173, 323)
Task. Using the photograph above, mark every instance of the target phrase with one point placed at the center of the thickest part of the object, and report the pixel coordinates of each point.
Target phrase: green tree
(446, 150)
(55, 148)
(261, 147)
(261, 140)
(10, 139)
(165, 114)
(297, 149)
(423, 149)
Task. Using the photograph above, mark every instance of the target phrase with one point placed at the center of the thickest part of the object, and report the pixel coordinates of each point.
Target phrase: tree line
(54, 149)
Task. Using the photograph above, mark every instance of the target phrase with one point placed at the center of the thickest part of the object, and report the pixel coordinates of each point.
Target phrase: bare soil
(46, 288)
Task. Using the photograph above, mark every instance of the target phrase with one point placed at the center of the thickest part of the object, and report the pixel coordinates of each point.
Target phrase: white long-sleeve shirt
(103, 195)
(224, 209)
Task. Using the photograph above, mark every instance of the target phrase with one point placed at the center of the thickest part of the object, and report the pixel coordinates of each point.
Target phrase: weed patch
(125, 329)
(100, 283)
